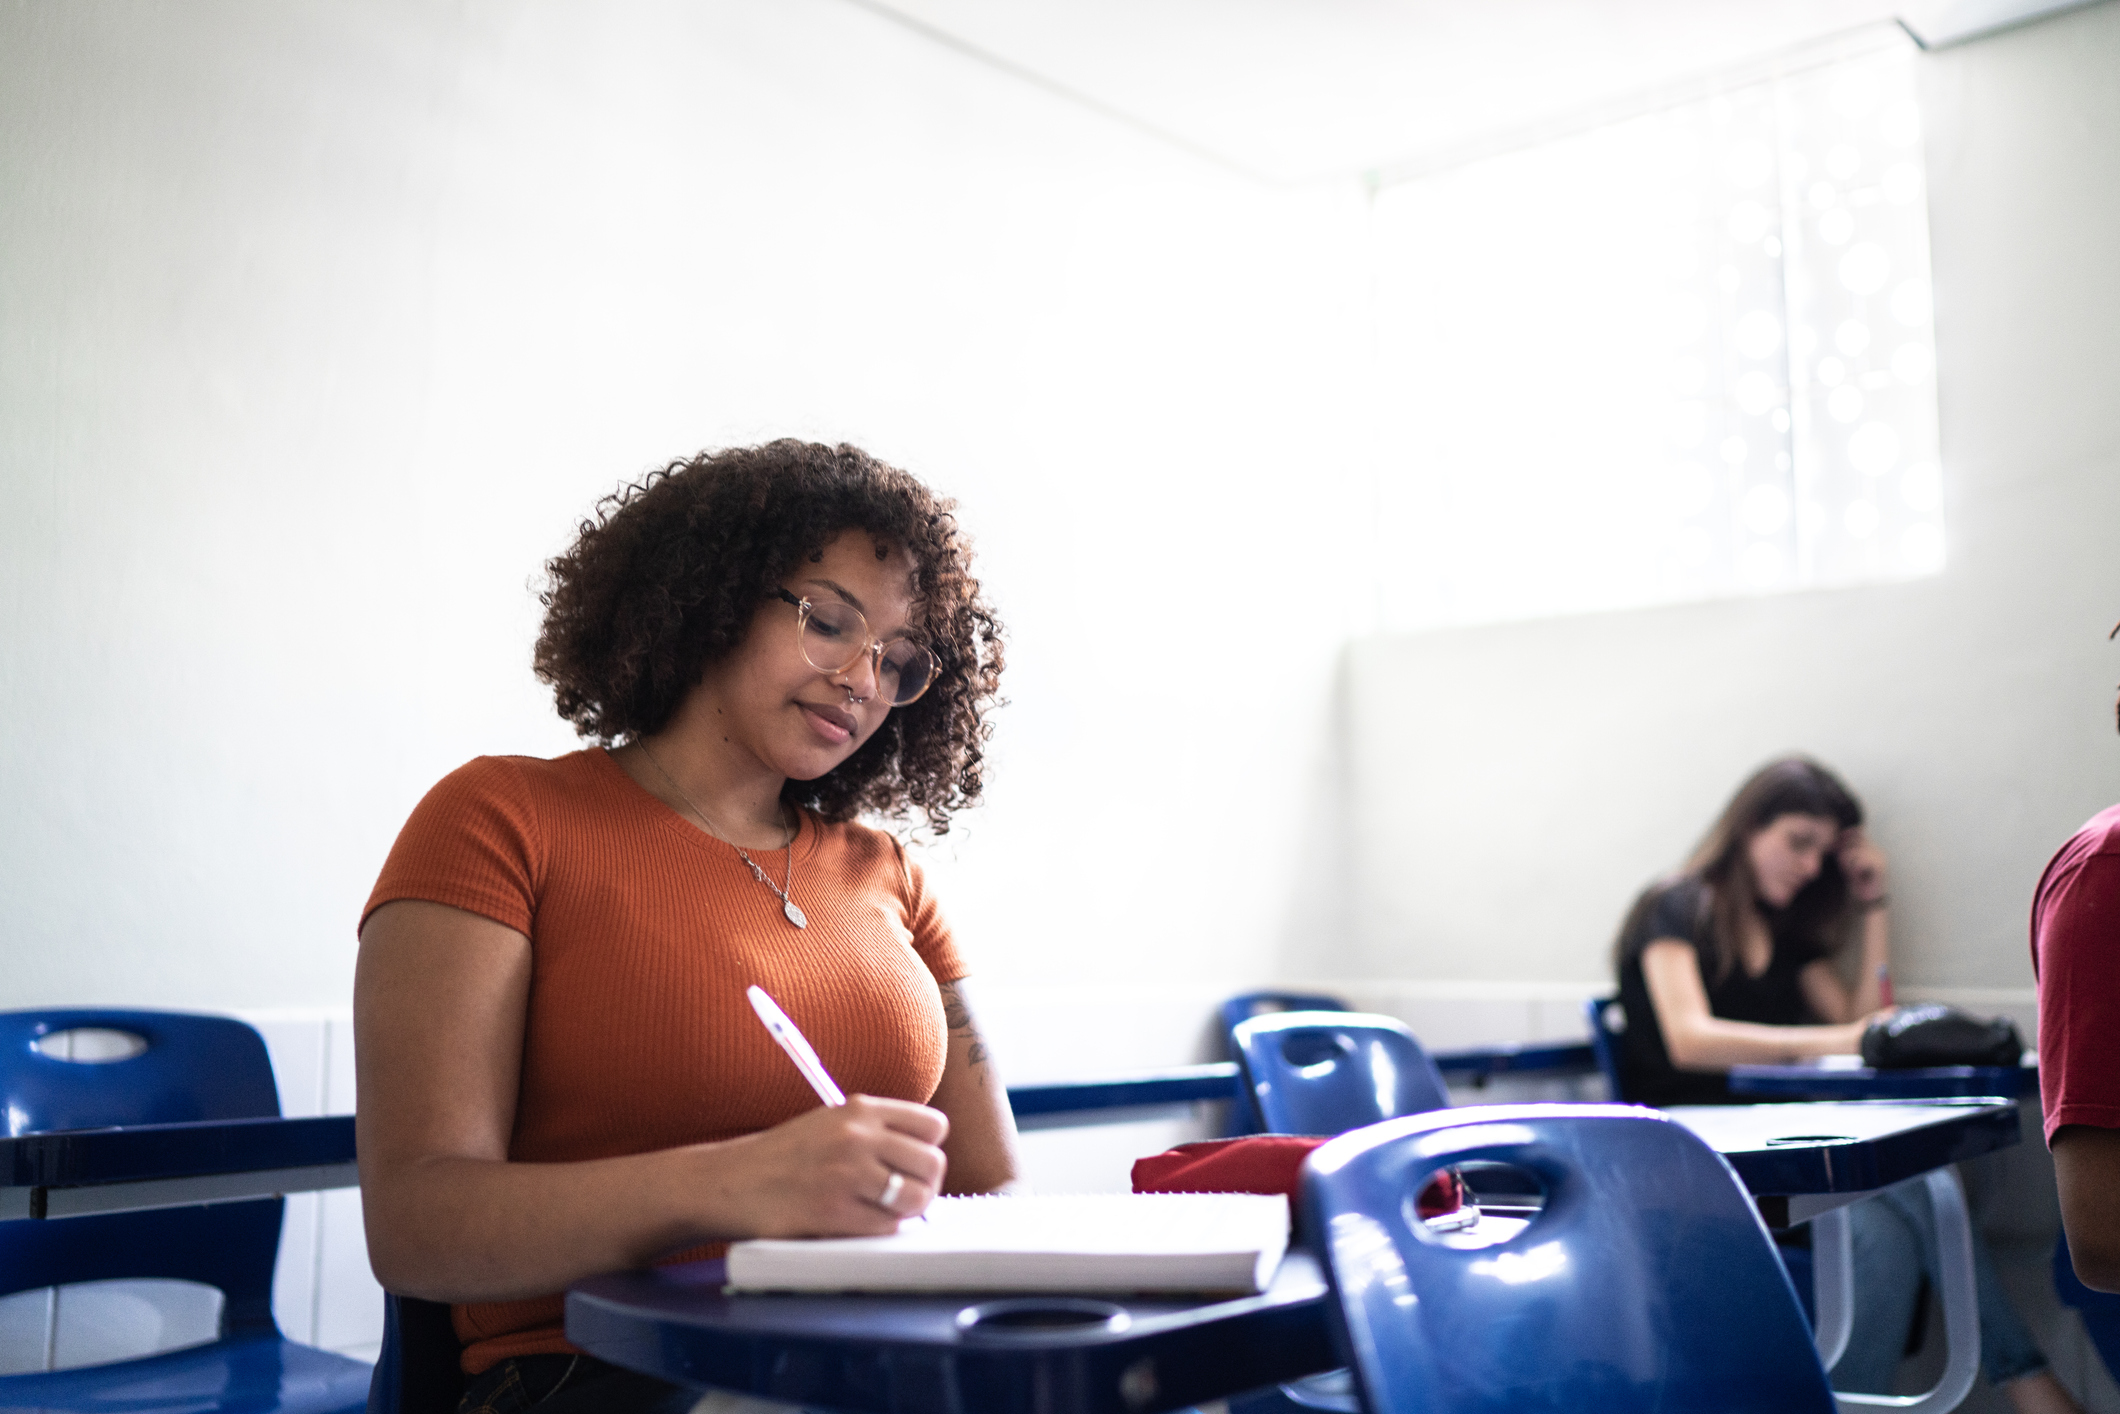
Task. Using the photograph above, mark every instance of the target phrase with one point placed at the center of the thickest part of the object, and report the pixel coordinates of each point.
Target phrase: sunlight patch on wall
(1680, 357)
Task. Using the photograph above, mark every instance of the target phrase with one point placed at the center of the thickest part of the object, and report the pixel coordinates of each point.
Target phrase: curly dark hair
(664, 581)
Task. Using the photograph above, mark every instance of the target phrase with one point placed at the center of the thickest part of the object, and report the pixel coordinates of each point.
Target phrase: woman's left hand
(1864, 865)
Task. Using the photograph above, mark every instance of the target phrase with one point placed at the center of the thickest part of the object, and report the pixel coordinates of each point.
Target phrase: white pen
(798, 1048)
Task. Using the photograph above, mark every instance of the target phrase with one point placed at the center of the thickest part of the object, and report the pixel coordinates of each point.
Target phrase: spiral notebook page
(1102, 1242)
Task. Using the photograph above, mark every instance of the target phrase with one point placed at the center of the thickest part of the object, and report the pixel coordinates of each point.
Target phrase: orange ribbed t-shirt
(644, 933)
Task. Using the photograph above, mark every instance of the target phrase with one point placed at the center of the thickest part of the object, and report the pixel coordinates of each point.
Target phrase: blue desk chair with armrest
(1645, 1283)
(185, 1068)
(1329, 1072)
(1325, 1072)
(1243, 1117)
(1827, 1310)
(1247, 1005)
(1607, 1023)
(2100, 1310)
(417, 1370)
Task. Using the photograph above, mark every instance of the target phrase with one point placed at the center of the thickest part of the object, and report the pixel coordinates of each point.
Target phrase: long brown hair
(1821, 912)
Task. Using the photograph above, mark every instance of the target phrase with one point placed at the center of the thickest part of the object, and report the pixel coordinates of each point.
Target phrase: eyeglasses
(834, 637)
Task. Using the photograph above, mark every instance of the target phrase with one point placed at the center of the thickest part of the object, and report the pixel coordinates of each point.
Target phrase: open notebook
(1104, 1242)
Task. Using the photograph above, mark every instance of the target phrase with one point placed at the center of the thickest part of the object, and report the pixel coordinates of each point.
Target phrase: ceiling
(1300, 90)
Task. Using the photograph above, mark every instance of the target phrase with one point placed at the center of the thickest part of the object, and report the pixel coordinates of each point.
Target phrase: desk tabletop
(955, 1354)
(1848, 1146)
(74, 1171)
(898, 1354)
(127, 1153)
(1816, 1081)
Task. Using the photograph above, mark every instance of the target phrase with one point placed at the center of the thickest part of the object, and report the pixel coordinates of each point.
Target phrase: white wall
(320, 323)
(323, 322)
(1513, 786)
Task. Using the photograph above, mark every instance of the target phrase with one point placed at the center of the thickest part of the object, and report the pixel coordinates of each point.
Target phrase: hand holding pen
(903, 1168)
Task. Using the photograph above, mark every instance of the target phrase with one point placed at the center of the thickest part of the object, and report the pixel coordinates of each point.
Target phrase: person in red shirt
(2076, 958)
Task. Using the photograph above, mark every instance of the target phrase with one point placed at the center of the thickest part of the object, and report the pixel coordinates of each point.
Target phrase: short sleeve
(2077, 950)
(1676, 913)
(931, 932)
(472, 843)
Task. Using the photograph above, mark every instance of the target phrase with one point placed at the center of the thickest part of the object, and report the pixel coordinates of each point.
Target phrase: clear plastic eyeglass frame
(822, 631)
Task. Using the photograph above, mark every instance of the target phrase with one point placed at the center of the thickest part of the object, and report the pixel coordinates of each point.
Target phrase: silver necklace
(787, 904)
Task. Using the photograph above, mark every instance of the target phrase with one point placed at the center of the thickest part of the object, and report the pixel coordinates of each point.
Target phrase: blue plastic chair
(1243, 1116)
(1325, 1072)
(2100, 1310)
(1602, 1013)
(1607, 1023)
(193, 1068)
(1247, 1005)
(416, 1371)
(1647, 1283)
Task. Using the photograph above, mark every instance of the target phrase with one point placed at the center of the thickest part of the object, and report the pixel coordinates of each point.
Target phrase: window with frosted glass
(1682, 356)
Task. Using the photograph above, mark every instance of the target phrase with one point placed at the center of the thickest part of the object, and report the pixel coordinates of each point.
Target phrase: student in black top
(1737, 959)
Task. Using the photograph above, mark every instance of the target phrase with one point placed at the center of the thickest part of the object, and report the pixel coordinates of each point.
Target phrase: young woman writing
(559, 1071)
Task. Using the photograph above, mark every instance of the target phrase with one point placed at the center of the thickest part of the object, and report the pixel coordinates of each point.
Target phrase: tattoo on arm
(958, 1017)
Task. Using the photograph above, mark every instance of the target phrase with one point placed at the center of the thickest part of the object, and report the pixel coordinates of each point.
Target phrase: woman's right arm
(440, 997)
(1697, 1039)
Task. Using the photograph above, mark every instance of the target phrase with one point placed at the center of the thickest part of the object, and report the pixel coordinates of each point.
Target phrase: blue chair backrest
(1325, 1072)
(1247, 1005)
(1243, 1116)
(416, 1371)
(1602, 1013)
(1647, 1282)
(2100, 1310)
(193, 1068)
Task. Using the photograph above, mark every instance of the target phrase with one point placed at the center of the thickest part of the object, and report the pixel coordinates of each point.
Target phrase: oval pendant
(795, 915)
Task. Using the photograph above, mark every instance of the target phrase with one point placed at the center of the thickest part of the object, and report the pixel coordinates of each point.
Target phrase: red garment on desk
(1262, 1163)
(2076, 957)
(1256, 1163)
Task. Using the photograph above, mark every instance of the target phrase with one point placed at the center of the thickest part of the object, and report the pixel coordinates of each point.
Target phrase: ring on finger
(895, 1185)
